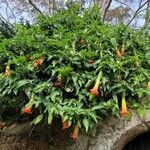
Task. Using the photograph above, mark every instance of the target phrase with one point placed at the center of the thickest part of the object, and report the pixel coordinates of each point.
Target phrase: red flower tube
(38, 62)
(27, 110)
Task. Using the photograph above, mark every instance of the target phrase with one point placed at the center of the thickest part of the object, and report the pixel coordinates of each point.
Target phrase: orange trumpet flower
(124, 111)
(75, 133)
(94, 90)
(27, 110)
(38, 62)
(65, 124)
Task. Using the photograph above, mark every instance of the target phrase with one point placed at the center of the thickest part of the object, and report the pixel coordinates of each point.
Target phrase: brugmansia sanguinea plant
(74, 66)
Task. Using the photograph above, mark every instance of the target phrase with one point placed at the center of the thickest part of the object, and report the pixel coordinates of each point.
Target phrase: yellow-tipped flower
(75, 133)
(124, 111)
(94, 90)
(7, 71)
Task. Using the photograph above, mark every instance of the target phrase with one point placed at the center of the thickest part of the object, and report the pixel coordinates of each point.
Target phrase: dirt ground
(18, 143)
(26, 137)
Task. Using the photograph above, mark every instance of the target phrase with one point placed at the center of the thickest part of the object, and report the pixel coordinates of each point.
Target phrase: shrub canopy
(52, 65)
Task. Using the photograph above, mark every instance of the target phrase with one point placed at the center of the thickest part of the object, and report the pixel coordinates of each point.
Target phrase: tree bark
(35, 7)
(137, 11)
(105, 6)
(147, 15)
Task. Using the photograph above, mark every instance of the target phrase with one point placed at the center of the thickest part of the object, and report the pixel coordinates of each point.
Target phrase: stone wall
(113, 134)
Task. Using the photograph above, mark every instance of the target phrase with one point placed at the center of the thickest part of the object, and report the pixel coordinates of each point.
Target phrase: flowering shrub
(73, 67)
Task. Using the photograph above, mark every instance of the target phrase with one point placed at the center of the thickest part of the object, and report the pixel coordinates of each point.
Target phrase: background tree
(132, 12)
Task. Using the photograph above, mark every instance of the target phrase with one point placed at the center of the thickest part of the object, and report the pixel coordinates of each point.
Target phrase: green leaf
(50, 118)
(86, 124)
(22, 83)
(65, 71)
(93, 116)
(38, 119)
(64, 118)
(54, 95)
(89, 83)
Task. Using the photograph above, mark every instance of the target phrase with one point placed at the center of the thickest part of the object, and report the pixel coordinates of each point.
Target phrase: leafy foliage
(53, 64)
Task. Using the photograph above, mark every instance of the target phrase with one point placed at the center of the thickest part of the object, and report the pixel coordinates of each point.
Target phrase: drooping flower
(124, 110)
(7, 72)
(94, 90)
(65, 124)
(28, 58)
(2, 125)
(38, 62)
(58, 82)
(82, 41)
(27, 110)
(118, 53)
(75, 133)
(90, 61)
